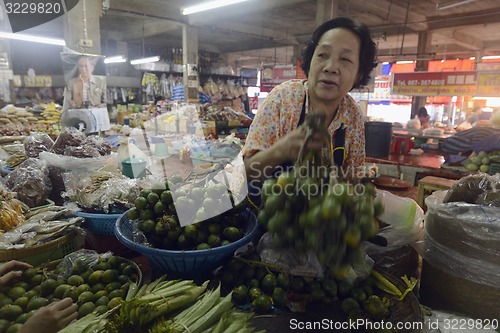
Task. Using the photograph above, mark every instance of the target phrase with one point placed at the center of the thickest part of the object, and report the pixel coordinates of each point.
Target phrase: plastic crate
(185, 264)
(100, 224)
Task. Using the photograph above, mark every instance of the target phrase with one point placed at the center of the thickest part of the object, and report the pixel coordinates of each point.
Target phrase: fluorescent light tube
(36, 39)
(144, 60)
(405, 62)
(209, 5)
(114, 59)
(491, 57)
(451, 4)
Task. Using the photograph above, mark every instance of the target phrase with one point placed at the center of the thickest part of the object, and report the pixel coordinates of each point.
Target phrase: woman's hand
(289, 146)
(51, 318)
(12, 270)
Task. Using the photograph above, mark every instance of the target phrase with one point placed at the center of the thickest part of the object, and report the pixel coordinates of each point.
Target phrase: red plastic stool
(401, 144)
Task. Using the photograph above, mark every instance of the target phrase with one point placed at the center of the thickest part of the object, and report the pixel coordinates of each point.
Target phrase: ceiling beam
(462, 39)
(148, 29)
(460, 20)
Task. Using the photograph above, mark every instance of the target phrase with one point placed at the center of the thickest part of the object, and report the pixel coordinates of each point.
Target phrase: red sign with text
(456, 83)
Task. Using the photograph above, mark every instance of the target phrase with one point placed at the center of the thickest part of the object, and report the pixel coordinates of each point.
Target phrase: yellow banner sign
(37, 81)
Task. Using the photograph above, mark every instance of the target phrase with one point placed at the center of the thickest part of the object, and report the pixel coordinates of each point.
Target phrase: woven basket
(43, 253)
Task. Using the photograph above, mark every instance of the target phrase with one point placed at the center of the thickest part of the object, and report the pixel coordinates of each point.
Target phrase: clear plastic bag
(79, 262)
(30, 180)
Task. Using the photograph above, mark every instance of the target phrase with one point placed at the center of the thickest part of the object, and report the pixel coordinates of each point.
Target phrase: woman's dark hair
(422, 112)
(367, 52)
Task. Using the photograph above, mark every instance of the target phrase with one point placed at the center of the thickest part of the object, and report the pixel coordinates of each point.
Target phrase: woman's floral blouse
(280, 113)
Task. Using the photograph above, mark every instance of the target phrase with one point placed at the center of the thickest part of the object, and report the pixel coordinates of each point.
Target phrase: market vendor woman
(339, 57)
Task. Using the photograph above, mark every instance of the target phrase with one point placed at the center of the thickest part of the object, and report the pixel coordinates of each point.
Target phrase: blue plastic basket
(100, 224)
(185, 264)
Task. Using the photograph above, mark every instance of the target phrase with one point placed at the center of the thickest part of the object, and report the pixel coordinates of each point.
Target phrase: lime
(10, 311)
(349, 304)
(109, 276)
(358, 294)
(14, 328)
(254, 292)
(95, 277)
(240, 295)
(22, 318)
(5, 301)
(75, 280)
(22, 302)
(203, 246)
(268, 283)
(262, 304)
(85, 309)
(101, 309)
(101, 293)
(283, 281)
(16, 292)
(376, 308)
(116, 293)
(214, 240)
(190, 231)
(86, 296)
(36, 280)
(267, 188)
(144, 193)
(159, 208)
(29, 274)
(148, 226)
(166, 197)
(133, 213)
(36, 303)
(103, 300)
(48, 286)
(112, 286)
(97, 287)
(114, 302)
(102, 265)
(232, 234)
(140, 202)
(153, 198)
(279, 296)
(253, 283)
(146, 214)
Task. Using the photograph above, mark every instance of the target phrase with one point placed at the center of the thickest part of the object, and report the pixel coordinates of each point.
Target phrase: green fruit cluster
(309, 214)
(481, 161)
(264, 288)
(98, 289)
(158, 218)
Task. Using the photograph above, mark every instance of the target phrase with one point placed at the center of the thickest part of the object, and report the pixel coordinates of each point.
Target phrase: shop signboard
(488, 84)
(272, 76)
(456, 83)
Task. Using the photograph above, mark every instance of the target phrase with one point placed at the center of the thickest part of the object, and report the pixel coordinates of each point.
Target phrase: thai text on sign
(457, 83)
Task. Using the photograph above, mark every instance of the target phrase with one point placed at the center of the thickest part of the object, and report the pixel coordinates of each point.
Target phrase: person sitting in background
(48, 319)
(86, 90)
(423, 116)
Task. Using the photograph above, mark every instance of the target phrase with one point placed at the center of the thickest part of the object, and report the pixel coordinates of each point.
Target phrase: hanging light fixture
(209, 5)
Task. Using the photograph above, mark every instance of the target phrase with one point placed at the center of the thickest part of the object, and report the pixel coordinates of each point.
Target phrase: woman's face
(334, 66)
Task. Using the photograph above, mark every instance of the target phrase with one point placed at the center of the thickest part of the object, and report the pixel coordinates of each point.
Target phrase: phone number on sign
(465, 324)
(33, 8)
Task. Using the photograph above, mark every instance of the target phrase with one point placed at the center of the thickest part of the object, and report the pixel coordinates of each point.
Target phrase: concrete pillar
(81, 27)
(6, 83)
(478, 58)
(326, 10)
(423, 47)
(190, 63)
